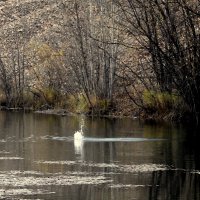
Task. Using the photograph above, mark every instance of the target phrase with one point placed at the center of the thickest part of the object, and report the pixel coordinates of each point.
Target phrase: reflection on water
(117, 159)
(78, 138)
(78, 146)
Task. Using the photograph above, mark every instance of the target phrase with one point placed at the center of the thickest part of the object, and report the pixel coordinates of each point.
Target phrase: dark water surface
(118, 159)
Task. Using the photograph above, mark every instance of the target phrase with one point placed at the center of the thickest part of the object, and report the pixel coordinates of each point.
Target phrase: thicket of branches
(168, 31)
(106, 49)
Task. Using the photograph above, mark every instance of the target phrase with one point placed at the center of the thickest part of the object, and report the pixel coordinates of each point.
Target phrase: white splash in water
(78, 135)
(78, 146)
(79, 140)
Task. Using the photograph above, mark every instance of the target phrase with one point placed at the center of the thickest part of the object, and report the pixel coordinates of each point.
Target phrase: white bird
(78, 135)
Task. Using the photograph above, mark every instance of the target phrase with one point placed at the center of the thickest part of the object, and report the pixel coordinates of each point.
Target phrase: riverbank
(134, 113)
(152, 106)
(114, 113)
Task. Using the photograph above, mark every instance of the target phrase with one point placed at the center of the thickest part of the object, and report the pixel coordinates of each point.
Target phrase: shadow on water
(117, 159)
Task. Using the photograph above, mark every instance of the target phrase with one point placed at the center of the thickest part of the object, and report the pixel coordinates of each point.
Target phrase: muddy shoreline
(136, 115)
(65, 112)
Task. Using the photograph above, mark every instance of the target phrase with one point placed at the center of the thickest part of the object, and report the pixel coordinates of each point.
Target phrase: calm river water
(118, 159)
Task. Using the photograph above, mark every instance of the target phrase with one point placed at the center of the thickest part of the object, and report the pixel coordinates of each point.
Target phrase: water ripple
(96, 139)
(23, 180)
(150, 167)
